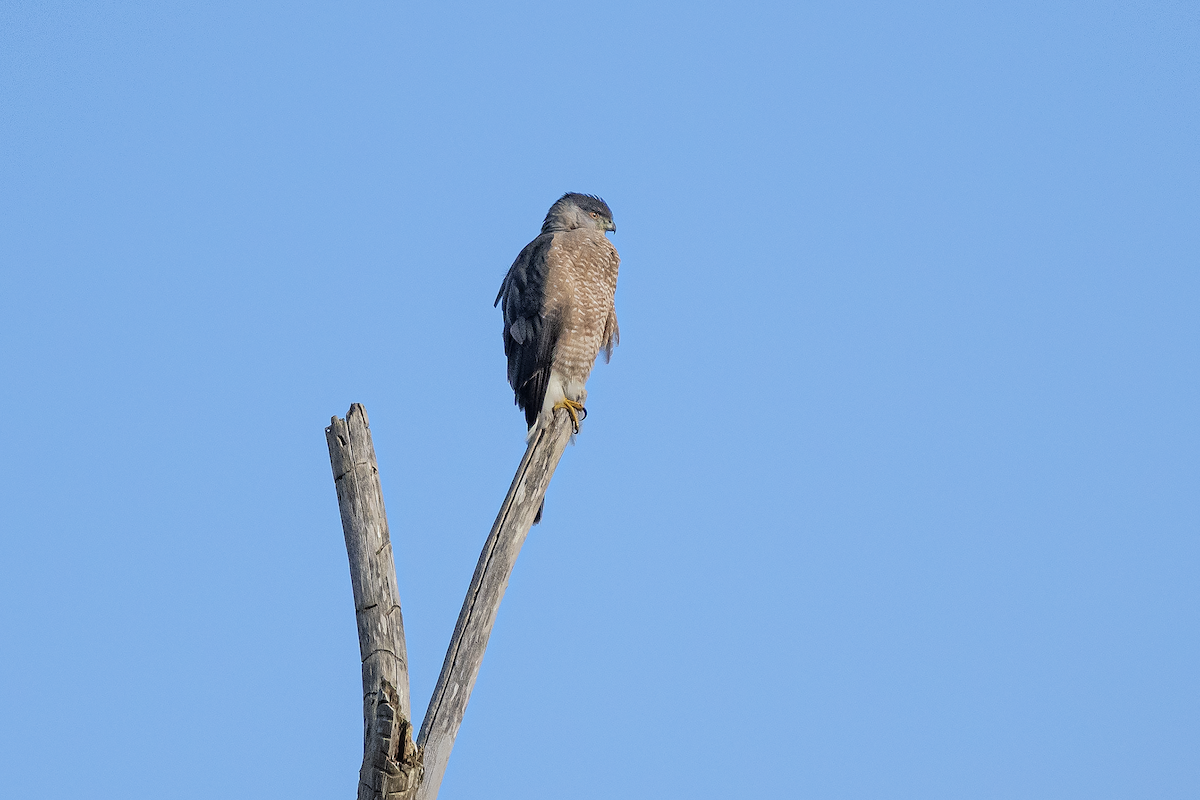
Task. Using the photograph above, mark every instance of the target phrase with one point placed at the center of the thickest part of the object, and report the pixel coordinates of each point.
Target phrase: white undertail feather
(558, 388)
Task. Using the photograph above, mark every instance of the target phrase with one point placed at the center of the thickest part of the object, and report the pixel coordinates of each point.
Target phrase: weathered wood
(394, 768)
(391, 768)
(465, 655)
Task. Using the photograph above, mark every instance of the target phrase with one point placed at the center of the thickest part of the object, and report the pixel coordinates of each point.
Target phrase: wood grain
(465, 655)
(391, 768)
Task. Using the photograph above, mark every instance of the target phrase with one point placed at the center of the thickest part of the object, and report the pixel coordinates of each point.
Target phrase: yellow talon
(573, 409)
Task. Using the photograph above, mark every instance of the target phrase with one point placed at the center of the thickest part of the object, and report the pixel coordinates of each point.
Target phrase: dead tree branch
(465, 655)
(391, 768)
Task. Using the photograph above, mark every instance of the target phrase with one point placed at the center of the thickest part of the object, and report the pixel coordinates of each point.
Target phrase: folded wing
(530, 332)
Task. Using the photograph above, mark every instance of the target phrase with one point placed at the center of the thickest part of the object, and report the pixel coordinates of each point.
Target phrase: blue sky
(889, 491)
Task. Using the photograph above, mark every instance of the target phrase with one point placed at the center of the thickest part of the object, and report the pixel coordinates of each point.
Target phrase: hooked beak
(611, 227)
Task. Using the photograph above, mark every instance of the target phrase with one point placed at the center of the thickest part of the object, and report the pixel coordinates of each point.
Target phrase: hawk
(558, 309)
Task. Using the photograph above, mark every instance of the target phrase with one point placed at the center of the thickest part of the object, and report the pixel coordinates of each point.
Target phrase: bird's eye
(594, 214)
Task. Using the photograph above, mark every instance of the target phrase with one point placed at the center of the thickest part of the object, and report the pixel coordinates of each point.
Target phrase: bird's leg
(576, 410)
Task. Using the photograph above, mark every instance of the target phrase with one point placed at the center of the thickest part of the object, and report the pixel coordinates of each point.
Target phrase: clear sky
(890, 490)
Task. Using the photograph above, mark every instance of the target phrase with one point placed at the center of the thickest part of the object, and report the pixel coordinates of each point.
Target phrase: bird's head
(575, 210)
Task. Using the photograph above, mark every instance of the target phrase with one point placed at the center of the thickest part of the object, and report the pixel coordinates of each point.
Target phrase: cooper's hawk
(558, 308)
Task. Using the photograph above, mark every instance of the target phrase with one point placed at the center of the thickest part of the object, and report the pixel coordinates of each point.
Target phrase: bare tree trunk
(465, 655)
(391, 768)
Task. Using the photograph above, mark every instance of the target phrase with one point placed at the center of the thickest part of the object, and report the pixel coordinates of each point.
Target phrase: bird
(558, 309)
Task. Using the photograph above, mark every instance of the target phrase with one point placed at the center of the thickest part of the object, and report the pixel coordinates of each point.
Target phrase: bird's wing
(529, 332)
(612, 335)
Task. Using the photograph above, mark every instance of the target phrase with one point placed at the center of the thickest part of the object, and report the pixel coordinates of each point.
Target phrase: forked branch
(393, 767)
